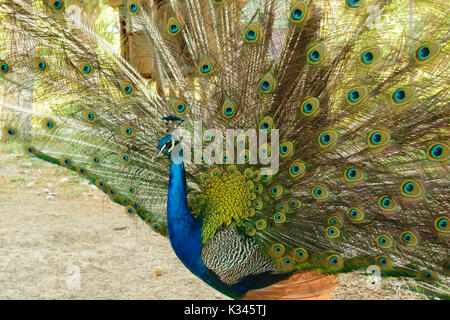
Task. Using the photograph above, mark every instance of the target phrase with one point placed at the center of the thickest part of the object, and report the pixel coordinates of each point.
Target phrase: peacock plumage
(352, 96)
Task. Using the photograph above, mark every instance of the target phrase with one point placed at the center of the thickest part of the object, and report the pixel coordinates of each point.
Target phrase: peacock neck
(184, 230)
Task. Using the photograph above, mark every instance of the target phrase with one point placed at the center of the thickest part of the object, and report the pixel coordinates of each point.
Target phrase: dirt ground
(61, 238)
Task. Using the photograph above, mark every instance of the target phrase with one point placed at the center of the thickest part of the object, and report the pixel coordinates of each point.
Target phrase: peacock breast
(225, 198)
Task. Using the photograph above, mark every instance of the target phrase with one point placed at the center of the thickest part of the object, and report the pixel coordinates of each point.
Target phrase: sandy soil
(61, 238)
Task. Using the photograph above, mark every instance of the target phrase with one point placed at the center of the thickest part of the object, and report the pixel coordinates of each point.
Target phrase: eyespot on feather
(378, 138)
(229, 109)
(438, 151)
(403, 95)
(131, 190)
(130, 211)
(258, 204)
(297, 169)
(428, 276)
(332, 232)
(48, 124)
(370, 56)
(156, 227)
(383, 262)
(85, 68)
(125, 158)
(300, 255)
(425, 52)
(216, 172)
(133, 7)
(384, 241)
(327, 138)
(66, 161)
(29, 150)
(294, 203)
(355, 215)
(298, 12)
(334, 262)
(101, 184)
(276, 191)
(127, 88)
(82, 171)
(283, 207)
(442, 225)
(353, 174)
(335, 221)
(41, 64)
(57, 4)
(408, 238)
(250, 231)
(252, 33)
(266, 124)
(244, 156)
(89, 116)
(179, 106)
(112, 193)
(95, 159)
(387, 204)
(266, 84)
(411, 189)
(174, 26)
(205, 67)
(320, 192)
(127, 131)
(353, 4)
(4, 67)
(10, 132)
(261, 224)
(310, 107)
(316, 54)
(277, 250)
(279, 218)
(264, 151)
(357, 95)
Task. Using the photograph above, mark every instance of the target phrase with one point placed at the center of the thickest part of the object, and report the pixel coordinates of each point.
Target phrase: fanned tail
(357, 89)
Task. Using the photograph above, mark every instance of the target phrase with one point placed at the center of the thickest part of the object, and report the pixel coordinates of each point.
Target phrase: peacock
(278, 144)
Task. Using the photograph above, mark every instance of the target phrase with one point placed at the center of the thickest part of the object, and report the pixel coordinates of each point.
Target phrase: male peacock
(356, 89)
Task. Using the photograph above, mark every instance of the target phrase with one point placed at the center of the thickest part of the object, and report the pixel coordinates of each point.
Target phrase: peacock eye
(4, 67)
(57, 4)
(353, 3)
(298, 12)
(314, 55)
(252, 33)
(174, 26)
(133, 7)
(205, 67)
(265, 85)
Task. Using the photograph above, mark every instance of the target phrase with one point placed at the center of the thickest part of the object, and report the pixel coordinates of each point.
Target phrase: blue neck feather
(184, 229)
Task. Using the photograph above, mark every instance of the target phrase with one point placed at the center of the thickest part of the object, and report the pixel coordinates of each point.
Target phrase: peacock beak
(158, 153)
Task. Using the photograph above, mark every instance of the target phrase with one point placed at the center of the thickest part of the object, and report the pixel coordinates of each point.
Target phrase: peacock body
(351, 95)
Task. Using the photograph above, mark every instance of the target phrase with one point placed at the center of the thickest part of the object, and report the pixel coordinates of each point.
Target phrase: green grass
(18, 179)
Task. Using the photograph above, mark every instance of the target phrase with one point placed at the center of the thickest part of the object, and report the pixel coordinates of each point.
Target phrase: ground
(61, 238)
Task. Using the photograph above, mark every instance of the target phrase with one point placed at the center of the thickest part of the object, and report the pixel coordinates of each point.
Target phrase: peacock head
(165, 146)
